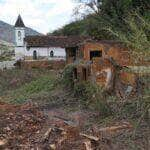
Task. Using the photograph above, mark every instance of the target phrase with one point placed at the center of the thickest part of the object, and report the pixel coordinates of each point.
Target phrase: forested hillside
(124, 20)
(108, 13)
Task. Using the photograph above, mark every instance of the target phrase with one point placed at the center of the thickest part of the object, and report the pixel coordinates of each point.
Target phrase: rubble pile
(65, 137)
(18, 125)
(28, 127)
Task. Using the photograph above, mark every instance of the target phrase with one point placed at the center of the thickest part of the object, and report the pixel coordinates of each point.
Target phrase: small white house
(37, 47)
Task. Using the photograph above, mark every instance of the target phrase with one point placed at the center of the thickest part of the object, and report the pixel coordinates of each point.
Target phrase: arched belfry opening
(19, 35)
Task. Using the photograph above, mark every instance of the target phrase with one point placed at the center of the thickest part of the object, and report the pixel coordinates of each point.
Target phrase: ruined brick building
(101, 62)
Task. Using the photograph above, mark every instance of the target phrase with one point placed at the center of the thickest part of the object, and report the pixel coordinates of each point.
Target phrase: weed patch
(32, 85)
(92, 96)
(67, 76)
(16, 78)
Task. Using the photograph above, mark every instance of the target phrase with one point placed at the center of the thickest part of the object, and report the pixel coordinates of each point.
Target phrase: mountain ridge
(7, 32)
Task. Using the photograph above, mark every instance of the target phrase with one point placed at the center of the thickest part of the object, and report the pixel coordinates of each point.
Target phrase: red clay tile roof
(19, 22)
(54, 41)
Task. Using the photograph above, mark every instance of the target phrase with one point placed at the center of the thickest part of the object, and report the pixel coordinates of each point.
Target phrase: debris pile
(19, 124)
(66, 137)
(29, 127)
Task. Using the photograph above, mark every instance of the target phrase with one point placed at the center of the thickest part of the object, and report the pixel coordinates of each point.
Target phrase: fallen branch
(47, 134)
(115, 128)
(90, 137)
(56, 128)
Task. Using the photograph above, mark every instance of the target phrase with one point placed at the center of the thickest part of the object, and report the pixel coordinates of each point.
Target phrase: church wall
(19, 53)
(36, 53)
(42, 52)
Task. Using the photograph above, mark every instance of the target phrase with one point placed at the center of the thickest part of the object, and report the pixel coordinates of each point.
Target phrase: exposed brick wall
(43, 64)
(98, 70)
(128, 78)
(103, 70)
(119, 54)
(91, 47)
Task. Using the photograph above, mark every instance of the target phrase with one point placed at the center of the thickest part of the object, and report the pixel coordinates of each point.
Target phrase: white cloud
(42, 15)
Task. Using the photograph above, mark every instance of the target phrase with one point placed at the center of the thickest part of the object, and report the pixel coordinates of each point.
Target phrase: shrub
(92, 96)
(89, 95)
(133, 108)
(67, 76)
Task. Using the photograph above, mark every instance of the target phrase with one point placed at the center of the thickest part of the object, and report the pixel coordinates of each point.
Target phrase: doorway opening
(75, 73)
(34, 55)
(84, 74)
(51, 53)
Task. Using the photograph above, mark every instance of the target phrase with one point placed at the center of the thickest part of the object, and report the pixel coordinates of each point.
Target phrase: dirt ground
(27, 126)
(54, 120)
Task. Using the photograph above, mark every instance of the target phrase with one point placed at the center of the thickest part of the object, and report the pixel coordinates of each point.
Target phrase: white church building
(39, 47)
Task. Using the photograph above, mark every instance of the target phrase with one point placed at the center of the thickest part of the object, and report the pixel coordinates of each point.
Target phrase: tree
(113, 20)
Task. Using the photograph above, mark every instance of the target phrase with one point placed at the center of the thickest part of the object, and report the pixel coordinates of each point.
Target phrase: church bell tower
(19, 32)
(19, 38)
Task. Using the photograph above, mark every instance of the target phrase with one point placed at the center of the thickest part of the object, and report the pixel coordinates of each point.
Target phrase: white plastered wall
(59, 53)
(19, 53)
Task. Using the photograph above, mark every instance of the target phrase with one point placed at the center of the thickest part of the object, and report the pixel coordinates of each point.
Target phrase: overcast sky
(41, 15)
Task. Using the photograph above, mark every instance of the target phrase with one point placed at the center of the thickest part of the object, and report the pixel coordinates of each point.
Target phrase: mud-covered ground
(36, 115)
(27, 126)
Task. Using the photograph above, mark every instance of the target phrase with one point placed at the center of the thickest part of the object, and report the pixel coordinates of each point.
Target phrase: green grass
(18, 86)
(46, 83)
(16, 78)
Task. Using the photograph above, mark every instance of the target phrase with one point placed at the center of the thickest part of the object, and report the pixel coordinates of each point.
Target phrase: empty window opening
(34, 55)
(95, 54)
(84, 74)
(51, 53)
